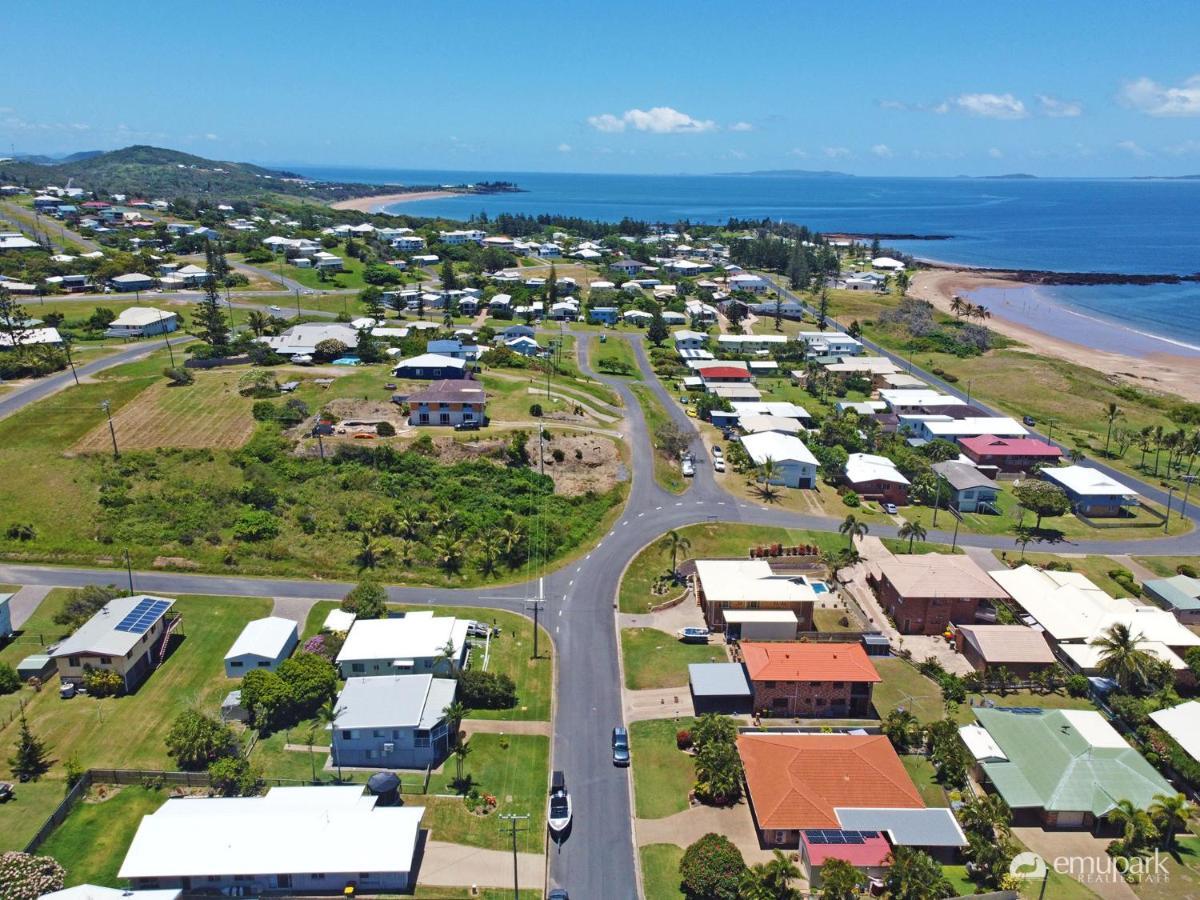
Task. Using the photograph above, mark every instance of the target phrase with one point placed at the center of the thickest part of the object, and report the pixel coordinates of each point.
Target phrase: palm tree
(1136, 825)
(1170, 813)
(770, 880)
(454, 714)
(957, 306)
(371, 551)
(676, 542)
(1121, 659)
(258, 322)
(461, 751)
(1158, 446)
(447, 658)
(1111, 414)
(901, 727)
(853, 528)
(767, 472)
(449, 551)
(489, 554)
(914, 531)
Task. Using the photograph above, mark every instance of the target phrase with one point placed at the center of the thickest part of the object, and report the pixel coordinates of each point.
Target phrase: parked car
(889, 508)
(718, 465)
(557, 894)
(620, 746)
(479, 629)
(716, 452)
(688, 468)
(683, 398)
(275, 309)
(1028, 421)
(467, 426)
(691, 411)
(6, 791)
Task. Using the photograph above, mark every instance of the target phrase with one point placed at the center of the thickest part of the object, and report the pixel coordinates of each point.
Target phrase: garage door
(1070, 820)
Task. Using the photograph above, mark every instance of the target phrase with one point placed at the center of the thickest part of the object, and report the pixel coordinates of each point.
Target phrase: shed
(37, 665)
(338, 620)
(1180, 594)
(761, 624)
(232, 709)
(263, 644)
(876, 644)
(719, 687)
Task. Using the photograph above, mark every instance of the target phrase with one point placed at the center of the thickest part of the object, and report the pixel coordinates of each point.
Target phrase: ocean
(1073, 225)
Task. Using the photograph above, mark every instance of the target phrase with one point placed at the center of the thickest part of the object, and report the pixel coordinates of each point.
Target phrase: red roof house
(810, 679)
(1009, 454)
(725, 375)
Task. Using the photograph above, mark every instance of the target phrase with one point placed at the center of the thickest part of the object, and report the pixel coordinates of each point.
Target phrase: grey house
(393, 721)
(969, 489)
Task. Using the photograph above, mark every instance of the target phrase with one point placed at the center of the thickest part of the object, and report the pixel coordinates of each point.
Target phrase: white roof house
(394, 701)
(412, 644)
(741, 580)
(139, 316)
(302, 340)
(795, 465)
(27, 336)
(1084, 481)
(1182, 723)
(338, 620)
(886, 262)
(263, 644)
(317, 837)
(97, 892)
(753, 423)
(951, 429)
(778, 409)
(117, 628)
(864, 467)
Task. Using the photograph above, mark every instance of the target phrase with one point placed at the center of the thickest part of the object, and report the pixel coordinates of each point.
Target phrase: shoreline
(376, 202)
(1171, 373)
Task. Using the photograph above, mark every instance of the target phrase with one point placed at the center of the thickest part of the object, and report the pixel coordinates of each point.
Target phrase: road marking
(614, 531)
(626, 522)
(571, 582)
(680, 503)
(640, 515)
(579, 568)
(560, 611)
(556, 629)
(699, 502)
(589, 556)
(657, 508)
(720, 503)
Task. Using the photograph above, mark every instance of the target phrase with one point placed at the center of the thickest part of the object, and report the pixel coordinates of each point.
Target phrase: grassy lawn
(1183, 874)
(921, 771)
(568, 374)
(666, 471)
(617, 352)
(660, 871)
(662, 773)
(92, 842)
(125, 731)
(830, 619)
(656, 659)
(1165, 566)
(511, 654)
(515, 769)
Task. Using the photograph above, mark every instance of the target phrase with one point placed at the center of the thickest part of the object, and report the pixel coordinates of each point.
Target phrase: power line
(512, 819)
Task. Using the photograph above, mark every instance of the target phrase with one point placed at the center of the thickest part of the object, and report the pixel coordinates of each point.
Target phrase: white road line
(560, 611)
(658, 507)
(640, 515)
(626, 522)
(571, 582)
(589, 556)
(720, 503)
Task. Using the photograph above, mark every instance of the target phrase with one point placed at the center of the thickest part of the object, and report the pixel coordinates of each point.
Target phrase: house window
(73, 661)
(444, 418)
(347, 735)
(235, 664)
(264, 663)
(106, 660)
(378, 732)
(395, 734)
(421, 738)
(318, 876)
(357, 667)
(781, 837)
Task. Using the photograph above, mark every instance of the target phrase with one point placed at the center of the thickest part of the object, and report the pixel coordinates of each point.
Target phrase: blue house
(393, 721)
(604, 315)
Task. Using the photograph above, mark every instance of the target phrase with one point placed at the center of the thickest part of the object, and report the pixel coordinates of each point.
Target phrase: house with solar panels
(128, 636)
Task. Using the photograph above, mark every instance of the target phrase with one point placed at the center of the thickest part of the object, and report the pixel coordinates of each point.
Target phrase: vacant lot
(209, 413)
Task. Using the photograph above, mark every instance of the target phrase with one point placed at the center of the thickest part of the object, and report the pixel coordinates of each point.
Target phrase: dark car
(472, 425)
(557, 894)
(1028, 421)
(620, 746)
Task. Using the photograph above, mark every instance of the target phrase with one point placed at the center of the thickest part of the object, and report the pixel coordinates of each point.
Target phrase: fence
(1120, 521)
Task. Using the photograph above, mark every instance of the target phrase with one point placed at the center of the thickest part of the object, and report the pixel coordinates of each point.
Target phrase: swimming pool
(819, 587)
(347, 361)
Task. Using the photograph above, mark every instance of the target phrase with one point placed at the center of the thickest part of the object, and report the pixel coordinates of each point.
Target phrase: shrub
(195, 740)
(367, 600)
(850, 498)
(24, 876)
(385, 429)
(558, 455)
(683, 739)
(1077, 686)
(102, 682)
(486, 690)
(712, 868)
(535, 410)
(233, 777)
(1186, 570)
(178, 375)
(258, 383)
(20, 531)
(256, 525)
(9, 679)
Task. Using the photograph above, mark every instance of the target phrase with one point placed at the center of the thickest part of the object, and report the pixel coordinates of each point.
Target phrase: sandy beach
(1166, 372)
(376, 203)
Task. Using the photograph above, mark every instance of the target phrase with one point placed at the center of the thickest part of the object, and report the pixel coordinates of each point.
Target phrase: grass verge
(656, 659)
(662, 773)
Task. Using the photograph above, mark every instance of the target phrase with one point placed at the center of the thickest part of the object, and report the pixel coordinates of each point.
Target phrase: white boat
(559, 818)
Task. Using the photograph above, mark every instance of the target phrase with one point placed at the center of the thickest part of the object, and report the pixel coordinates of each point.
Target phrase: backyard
(93, 840)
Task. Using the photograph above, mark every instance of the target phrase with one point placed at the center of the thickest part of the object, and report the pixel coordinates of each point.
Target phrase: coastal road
(31, 223)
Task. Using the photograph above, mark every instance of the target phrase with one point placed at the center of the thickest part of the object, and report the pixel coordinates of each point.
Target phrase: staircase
(166, 639)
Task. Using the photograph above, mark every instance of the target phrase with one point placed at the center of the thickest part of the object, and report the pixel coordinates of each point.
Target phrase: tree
(1122, 659)
(367, 600)
(329, 349)
(764, 478)
(901, 728)
(84, 603)
(311, 681)
(1111, 414)
(1042, 498)
(1137, 828)
(718, 772)
(670, 440)
(676, 542)
(478, 689)
(266, 697)
(195, 740)
(371, 298)
(258, 322)
(518, 452)
(209, 320)
(462, 749)
(711, 869)
(371, 551)
(914, 875)
(449, 276)
(14, 320)
(454, 714)
(179, 376)
(24, 876)
(328, 714)
(657, 332)
(233, 776)
(1170, 813)
(914, 531)
(771, 880)
(823, 311)
(853, 528)
(29, 759)
(839, 880)
(10, 681)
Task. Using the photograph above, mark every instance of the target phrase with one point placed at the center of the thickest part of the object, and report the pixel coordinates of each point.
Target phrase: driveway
(25, 601)
(1086, 851)
(456, 865)
(658, 703)
(682, 829)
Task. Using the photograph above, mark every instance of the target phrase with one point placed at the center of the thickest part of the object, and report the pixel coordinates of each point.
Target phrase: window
(357, 667)
(378, 733)
(421, 738)
(264, 663)
(347, 735)
(106, 660)
(318, 876)
(235, 664)
(395, 734)
(73, 661)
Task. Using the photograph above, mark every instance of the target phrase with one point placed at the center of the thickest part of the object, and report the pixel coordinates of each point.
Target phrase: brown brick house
(1018, 648)
(750, 584)
(927, 592)
(810, 680)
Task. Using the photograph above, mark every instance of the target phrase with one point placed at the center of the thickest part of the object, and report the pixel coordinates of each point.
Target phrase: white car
(275, 309)
(718, 465)
(687, 468)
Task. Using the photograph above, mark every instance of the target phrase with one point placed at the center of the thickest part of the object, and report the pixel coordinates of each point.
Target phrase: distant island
(790, 173)
(1166, 178)
(1012, 176)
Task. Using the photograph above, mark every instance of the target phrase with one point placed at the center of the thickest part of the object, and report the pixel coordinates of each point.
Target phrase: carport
(719, 688)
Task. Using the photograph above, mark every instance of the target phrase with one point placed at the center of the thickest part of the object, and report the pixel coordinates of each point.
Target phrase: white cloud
(1154, 99)
(991, 106)
(1189, 147)
(942, 108)
(564, 148)
(658, 120)
(892, 104)
(1059, 109)
(995, 153)
(1133, 149)
(209, 136)
(883, 151)
(741, 126)
(798, 152)
(837, 152)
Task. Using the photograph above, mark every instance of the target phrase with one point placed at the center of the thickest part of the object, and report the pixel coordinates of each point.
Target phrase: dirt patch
(174, 562)
(349, 410)
(588, 463)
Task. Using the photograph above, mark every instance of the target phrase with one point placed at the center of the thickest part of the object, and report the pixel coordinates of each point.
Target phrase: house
(638, 317)
(670, 316)
(1182, 724)
(829, 343)
(795, 466)
(1012, 454)
(450, 402)
(516, 331)
(886, 262)
(945, 428)
(1017, 648)
(876, 478)
(524, 345)
(28, 336)
(967, 489)
(142, 321)
(96, 892)
(925, 593)
(134, 281)
(726, 586)
(719, 688)
(603, 315)
(744, 281)
(1180, 594)
(431, 367)
(810, 679)
(752, 423)
(840, 796)
(393, 722)
(12, 240)
(916, 401)
(1091, 492)
(1059, 768)
(689, 340)
(700, 313)
(302, 340)
(719, 373)
(452, 347)
(629, 266)
(306, 840)
(263, 644)
(6, 625)
(414, 644)
(128, 636)
(408, 242)
(774, 410)
(750, 343)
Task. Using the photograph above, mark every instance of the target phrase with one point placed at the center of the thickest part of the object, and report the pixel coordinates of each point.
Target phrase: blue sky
(949, 88)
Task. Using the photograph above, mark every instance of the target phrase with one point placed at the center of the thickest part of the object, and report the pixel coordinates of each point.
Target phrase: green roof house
(1180, 594)
(1061, 768)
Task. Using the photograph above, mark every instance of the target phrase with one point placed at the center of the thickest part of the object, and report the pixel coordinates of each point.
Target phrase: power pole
(166, 339)
(129, 570)
(107, 407)
(535, 606)
(71, 362)
(512, 820)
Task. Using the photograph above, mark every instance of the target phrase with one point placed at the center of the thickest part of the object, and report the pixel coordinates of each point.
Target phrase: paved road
(26, 220)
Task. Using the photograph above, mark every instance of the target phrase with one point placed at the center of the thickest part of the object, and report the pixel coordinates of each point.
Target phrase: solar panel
(139, 619)
(838, 836)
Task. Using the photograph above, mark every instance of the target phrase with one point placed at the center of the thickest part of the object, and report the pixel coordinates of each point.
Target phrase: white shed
(263, 644)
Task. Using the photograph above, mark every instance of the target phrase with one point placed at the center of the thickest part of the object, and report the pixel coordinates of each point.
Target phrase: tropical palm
(770, 880)
(767, 472)
(1137, 828)
(1122, 660)
(957, 306)
(258, 322)
(1170, 813)
(1111, 414)
(676, 542)
(853, 528)
(447, 660)
(371, 551)
(454, 714)
(461, 751)
(489, 554)
(901, 727)
(914, 531)
(449, 551)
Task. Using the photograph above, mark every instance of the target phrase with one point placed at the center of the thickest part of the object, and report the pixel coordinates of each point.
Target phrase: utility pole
(107, 407)
(536, 607)
(71, 362)
(1167, 520)
(512, 820)
(1187, 479)
(166, 339)
(297, 302)
(937, 499)
(129, 570)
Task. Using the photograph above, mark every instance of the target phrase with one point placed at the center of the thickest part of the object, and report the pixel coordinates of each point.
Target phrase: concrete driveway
(1090, 863)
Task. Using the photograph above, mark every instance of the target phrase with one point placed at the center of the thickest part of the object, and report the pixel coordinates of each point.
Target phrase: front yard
(663, 774)
(660, 871)
(656, 659)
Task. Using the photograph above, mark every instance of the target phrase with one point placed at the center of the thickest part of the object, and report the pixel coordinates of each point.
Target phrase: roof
(990, 445)
(772, 408)
(117, 628)
(1008, 643)
(865, 850)
(96, 892)
(449, 391)
(798, 780)
(332, 829)
(1182, 723)
(303, 338)
(417, 635)
(1068, 760)
(975, 425)
(718, 680)
(1088, 657)
(132, 278)
(778, 447)
(1179, 591)
(723, 372)
(794, 661)
(271, 638)
(934, 827)
(431, 361)
(395, 701)
(136, 316)
(338, 620)
(742, 580)
(945, 575)
(980, 743)
(772, 616)
(864, 467)
(756, 423)
(961, 476)
(1085, 481)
